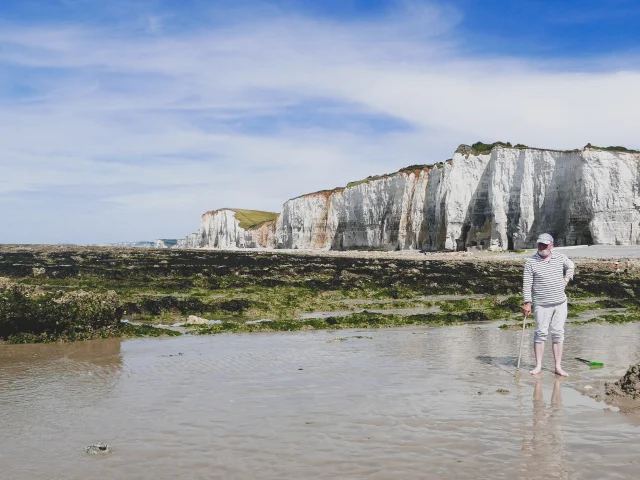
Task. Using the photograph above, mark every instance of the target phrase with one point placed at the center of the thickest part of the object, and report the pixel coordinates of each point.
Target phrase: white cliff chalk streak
(498, 201)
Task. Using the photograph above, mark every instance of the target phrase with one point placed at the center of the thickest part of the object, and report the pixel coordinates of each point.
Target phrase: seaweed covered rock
(98, 449)
(628, 385)
(40, 316)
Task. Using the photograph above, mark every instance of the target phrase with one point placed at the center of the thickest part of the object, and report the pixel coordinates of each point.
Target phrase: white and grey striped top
(543, 282)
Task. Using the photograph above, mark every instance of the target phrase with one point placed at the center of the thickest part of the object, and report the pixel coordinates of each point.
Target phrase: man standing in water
(546, 275)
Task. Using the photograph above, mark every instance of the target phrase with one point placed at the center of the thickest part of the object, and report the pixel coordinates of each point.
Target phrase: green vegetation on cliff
(365, 180)
(410, 168)
(612, 149)
(480, 148)
(250, 219)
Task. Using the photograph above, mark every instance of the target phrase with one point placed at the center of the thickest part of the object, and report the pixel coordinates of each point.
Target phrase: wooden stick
(524, 323)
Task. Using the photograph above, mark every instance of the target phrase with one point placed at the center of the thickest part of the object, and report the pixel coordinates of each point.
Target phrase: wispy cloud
(158, 124)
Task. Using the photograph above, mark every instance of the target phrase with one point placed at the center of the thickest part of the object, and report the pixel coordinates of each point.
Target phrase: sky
(126, 120)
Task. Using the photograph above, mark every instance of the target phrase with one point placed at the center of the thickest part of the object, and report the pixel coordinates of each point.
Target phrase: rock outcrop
(191, 241)
(628, 385)
(625, 393)
(165, 243)
(235, 228)
(496, 197)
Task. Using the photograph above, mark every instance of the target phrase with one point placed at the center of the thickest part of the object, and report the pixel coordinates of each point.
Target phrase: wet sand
(405, 403)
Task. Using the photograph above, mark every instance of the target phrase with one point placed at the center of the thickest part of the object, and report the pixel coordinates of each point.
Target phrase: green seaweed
(356, 320)
(166, 286)
(575, 309)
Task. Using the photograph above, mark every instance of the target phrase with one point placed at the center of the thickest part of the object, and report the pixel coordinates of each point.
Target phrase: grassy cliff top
(407, 170)
(480, 148)
(253, 218)
(612, 149)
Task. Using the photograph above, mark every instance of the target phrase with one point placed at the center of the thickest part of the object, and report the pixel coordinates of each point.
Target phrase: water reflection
(51, 376)
(544, 447)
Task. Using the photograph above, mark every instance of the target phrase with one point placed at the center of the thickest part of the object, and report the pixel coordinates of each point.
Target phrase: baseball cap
(545, 238)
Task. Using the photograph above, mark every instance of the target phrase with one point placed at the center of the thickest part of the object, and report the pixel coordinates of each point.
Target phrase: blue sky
(126, 120)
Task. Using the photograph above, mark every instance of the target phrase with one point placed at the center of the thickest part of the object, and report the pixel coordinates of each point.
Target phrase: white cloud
(167, 114)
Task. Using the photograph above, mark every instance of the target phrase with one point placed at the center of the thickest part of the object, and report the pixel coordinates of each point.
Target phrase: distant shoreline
(582, 252)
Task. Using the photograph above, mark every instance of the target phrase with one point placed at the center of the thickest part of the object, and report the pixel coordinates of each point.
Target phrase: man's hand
(526, 308)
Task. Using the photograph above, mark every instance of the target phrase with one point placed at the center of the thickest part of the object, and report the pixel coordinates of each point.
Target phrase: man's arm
(569, 268)
(527, 282)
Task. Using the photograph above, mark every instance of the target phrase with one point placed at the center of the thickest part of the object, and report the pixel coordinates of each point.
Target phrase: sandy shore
(581, 254)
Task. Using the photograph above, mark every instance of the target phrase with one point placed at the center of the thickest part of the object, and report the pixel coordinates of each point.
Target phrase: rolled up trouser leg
(550, 317)
(542, 316)
(556, 328)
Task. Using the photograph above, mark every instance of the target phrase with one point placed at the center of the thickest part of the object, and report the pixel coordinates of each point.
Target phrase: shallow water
(388, 311)
(402, 404)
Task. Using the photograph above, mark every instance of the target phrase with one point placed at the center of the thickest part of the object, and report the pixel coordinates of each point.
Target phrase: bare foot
(536, 371)
(561, 372)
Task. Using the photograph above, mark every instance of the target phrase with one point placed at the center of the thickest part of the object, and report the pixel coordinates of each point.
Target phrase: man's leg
(538, 349)
(542, 316)
(557, 357)
(557, 336)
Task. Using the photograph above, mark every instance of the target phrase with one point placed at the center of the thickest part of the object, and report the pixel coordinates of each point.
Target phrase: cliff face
(501, 199)
(222, 229)
(191, 241)
(380, 213)
(304, 222)
(580, 197)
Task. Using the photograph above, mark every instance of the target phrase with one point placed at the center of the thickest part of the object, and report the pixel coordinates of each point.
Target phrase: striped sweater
(543, 282)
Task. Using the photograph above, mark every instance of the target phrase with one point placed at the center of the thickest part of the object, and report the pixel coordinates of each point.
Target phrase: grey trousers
(550, 319)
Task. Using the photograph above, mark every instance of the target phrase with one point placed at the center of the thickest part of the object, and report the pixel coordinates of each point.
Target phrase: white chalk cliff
(497, 200)
(222, 229)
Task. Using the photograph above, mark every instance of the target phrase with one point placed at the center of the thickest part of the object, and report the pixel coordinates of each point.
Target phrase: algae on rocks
(29, 314)
(167, 286)
(29, 310)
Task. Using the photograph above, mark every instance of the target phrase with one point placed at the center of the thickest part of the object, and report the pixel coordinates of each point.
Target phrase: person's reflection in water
(547, 443)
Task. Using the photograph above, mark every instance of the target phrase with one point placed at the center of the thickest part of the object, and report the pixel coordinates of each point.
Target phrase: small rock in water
(339, 339)
(97, 449)
(194, 320)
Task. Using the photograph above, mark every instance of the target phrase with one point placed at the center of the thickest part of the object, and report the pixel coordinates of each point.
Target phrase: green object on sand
(590, 363)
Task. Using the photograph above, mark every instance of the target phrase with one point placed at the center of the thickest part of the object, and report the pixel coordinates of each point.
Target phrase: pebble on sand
(97, 449)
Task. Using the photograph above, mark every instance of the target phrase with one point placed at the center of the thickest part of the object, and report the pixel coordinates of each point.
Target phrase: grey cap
(545, 238)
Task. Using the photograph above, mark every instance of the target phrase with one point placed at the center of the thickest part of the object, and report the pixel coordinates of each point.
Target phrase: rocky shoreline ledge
(275, 289)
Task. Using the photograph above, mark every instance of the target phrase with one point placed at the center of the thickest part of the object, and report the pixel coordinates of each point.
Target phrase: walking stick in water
(524, 323)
